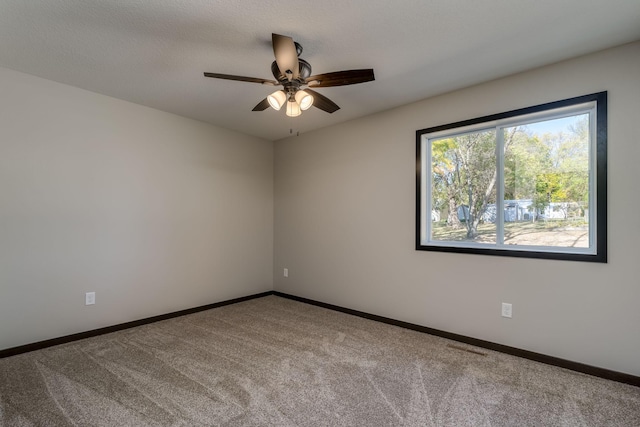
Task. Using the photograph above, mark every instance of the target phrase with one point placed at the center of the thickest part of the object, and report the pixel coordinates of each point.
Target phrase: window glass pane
(463, 186)
(546, 183)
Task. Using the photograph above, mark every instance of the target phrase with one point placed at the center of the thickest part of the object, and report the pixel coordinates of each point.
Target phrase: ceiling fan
(294, 75)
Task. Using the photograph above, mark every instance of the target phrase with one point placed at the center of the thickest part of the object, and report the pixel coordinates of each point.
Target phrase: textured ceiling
(153, 52)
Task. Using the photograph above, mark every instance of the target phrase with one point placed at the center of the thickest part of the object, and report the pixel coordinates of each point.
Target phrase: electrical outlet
(507, 309)
(286, 272)
(90, 298)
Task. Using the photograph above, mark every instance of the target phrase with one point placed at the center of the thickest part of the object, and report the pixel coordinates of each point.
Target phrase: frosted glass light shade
(304, 100)
(277, 99)
(293, 109)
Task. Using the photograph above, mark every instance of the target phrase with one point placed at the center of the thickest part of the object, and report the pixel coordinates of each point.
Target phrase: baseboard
(101, 331)
(538, 357)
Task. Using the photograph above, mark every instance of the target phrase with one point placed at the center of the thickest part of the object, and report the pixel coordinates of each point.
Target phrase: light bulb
(293, 109)
(277, 99)
(304, 100)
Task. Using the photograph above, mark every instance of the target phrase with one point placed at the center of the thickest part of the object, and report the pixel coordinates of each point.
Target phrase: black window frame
(600, 254)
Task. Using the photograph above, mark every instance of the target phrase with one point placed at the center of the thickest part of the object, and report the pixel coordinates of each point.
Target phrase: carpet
(272, 361)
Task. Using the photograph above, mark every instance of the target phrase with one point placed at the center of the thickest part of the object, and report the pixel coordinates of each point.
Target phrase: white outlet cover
(286, 272)
(90, 298)
(507, 309)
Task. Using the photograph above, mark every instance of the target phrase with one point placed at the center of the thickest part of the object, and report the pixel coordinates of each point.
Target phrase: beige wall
(157, 213)
(153, 212)
(345, 215)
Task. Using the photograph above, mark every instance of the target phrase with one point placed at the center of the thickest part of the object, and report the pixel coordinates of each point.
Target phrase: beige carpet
(277, 362)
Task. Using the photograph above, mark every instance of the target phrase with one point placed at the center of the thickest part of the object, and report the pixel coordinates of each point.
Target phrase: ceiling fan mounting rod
(291, 87)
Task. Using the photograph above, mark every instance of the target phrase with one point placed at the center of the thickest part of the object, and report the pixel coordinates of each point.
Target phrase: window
(525, 183)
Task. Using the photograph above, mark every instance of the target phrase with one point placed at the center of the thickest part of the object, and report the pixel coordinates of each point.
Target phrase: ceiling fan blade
(341, 78)
(286, 55)
(322, 102)
(242, 79)
(262, 105)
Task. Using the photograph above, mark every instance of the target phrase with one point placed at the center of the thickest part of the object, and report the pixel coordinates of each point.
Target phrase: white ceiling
(153, 52)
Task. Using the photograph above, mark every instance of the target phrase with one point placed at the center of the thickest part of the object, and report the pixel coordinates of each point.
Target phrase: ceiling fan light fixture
(293, 109)
(304, 100)
(277, 99)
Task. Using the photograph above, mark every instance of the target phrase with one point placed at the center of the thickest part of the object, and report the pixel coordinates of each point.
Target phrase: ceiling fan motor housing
(303, 66)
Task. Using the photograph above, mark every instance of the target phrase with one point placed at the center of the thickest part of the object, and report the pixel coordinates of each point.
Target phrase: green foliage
(547, 168)
(566, 180)
(524, 159)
